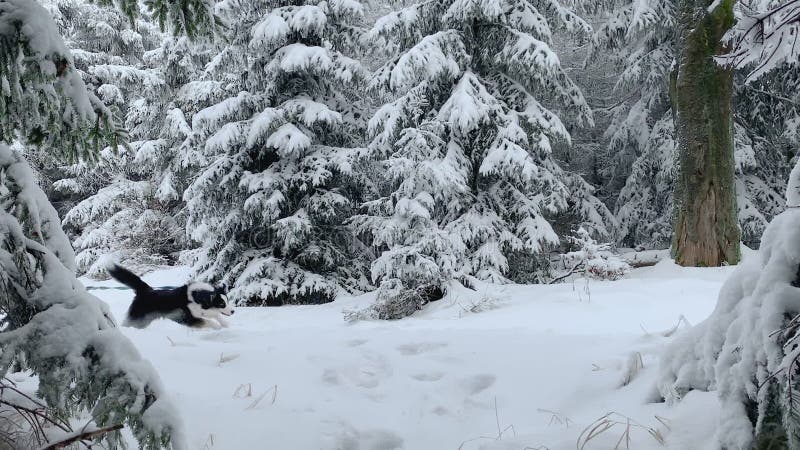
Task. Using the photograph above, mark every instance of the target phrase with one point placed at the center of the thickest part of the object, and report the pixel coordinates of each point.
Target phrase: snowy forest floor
(532, 370)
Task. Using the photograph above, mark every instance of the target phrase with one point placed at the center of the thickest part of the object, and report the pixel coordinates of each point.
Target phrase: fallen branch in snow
(82, 436)
(566, 275)
(644, 258)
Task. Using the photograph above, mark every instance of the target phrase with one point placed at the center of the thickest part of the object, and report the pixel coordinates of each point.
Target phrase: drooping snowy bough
(51, 325)
(749, 349)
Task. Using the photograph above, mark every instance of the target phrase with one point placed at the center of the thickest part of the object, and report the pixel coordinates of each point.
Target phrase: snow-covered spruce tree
(50, 324)
(748, 349)
(130, 199)
(644, 205)
(624, 73)
(268, 210)
(767, 122)
(99, 198)
(466, 144)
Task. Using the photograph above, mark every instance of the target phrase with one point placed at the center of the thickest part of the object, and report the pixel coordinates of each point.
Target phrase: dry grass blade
(500, 432)
(209, 444)
(223, 358)
(243, 391)
(663, 421)
(611, 420)
(633, 368)
(556, 417)
(258, 399)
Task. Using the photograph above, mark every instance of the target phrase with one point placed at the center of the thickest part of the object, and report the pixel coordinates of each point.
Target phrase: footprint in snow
(420, 347)
(430, 376)
(478, 383)
(368, 373)
(356, 342)
(375, 439)
(220, 336)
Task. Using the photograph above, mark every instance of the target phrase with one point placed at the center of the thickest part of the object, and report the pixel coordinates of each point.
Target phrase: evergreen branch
(773, 95)
(83, 436)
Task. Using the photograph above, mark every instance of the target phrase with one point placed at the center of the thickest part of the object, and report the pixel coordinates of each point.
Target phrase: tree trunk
(706, 227)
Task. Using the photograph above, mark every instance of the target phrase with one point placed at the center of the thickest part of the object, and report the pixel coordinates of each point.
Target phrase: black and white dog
(194, 304)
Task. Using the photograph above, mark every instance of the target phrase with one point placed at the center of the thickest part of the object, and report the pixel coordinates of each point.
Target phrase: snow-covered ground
(532, 370)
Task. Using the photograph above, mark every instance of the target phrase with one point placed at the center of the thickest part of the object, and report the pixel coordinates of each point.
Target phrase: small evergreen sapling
(595, 260)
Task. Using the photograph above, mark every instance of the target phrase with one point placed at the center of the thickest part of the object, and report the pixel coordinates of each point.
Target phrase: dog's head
(213, 300)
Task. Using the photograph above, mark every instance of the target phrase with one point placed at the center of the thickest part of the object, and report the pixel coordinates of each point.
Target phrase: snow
(436, 55)
(793, 188)
(531, 357)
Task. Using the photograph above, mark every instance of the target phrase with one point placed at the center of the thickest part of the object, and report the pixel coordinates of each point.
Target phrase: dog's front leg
(222, 322)
(211, 324)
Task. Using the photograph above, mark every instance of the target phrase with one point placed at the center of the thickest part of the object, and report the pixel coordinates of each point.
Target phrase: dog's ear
(222, 289)
(203, 298)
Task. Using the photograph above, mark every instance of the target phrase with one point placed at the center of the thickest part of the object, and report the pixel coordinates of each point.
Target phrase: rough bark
(706, 228)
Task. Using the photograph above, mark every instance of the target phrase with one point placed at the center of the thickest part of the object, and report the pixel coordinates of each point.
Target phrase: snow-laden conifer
(50, 325)
(478, 101)
(269, 208)
(126, 204)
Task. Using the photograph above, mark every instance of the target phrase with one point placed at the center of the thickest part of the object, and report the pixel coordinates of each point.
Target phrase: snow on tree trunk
(65, 335)
(706, 230)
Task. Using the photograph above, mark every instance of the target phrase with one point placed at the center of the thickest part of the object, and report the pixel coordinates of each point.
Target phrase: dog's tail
(127, 277)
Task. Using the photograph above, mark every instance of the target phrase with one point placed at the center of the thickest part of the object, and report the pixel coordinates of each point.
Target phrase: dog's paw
(213, 324)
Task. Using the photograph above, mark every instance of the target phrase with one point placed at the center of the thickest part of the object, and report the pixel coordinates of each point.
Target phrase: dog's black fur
(194, 304)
